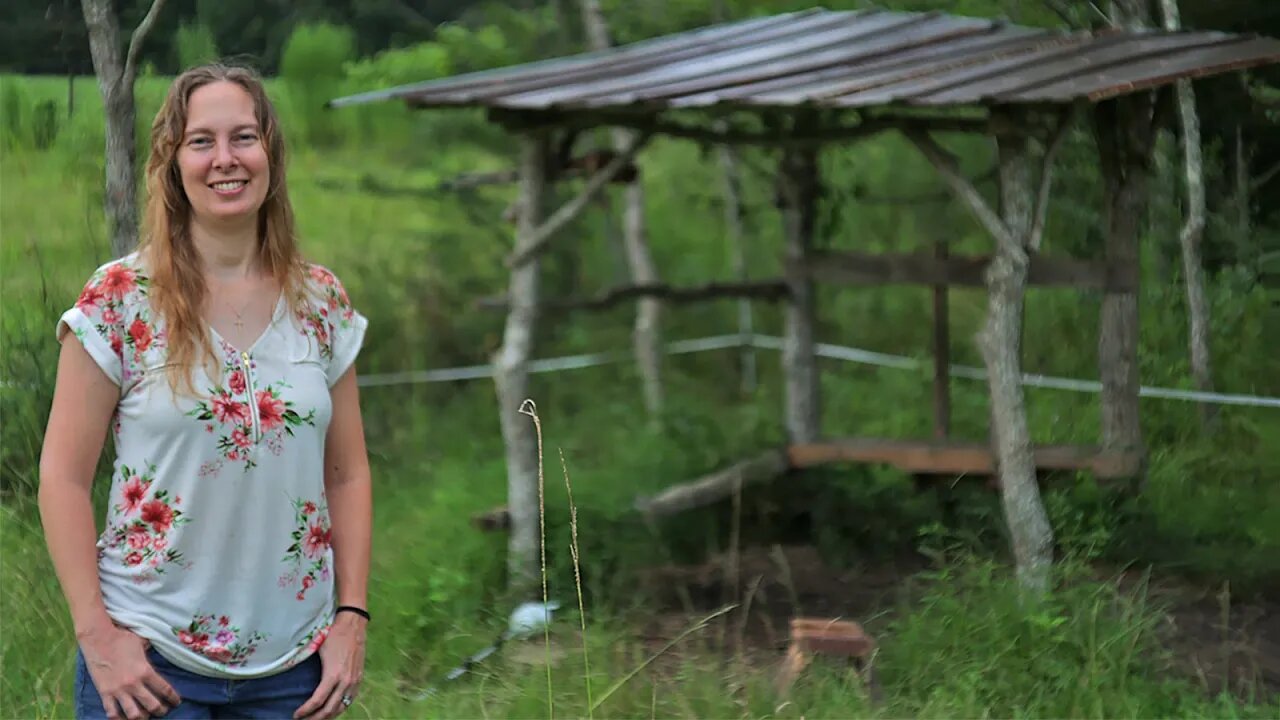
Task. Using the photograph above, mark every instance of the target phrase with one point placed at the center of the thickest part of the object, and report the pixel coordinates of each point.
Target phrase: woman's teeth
(232, 185)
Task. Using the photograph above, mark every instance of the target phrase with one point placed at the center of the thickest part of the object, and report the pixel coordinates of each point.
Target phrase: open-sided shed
(801, 80)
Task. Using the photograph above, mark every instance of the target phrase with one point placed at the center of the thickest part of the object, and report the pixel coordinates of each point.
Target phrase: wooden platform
(925, 457)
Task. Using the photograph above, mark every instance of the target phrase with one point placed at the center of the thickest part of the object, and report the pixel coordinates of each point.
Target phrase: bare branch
(949, 169)
(474, 180)
(759, 289)
(140, 35)
(1046, 179)
(542, 236)
(1265, 177)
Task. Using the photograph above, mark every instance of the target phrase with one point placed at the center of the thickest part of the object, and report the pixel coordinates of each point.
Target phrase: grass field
(954, 640)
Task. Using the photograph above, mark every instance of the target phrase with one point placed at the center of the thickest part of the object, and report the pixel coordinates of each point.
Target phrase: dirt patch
(769, 586)
(1226, 643)
(1221, 642)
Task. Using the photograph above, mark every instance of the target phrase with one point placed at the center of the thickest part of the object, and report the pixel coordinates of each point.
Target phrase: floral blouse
(216, 547)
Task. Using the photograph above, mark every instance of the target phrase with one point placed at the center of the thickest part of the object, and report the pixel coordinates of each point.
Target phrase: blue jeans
(276, 696)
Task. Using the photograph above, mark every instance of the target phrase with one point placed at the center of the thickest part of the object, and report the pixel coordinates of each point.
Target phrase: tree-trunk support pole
(799, 184)
(1124, 127)
(1017, 229)
(511, 372)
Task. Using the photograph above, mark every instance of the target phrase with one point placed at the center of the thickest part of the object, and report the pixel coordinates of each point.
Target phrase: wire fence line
(825, 350)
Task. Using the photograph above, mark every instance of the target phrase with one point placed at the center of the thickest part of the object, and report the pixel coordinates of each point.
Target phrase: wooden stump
(834, 638)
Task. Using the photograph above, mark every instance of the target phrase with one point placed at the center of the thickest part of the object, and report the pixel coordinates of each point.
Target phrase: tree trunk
(733, 218)
(1124, 132)
(1000, 342)
(1193, 231)
(115, 82)
(511, 374)
(800, 186)
(647, 334)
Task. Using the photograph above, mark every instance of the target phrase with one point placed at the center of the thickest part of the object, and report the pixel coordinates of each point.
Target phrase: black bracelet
(353, 609)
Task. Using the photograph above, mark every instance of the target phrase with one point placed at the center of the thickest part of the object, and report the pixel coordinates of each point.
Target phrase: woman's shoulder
(324, 285)
(113, 287)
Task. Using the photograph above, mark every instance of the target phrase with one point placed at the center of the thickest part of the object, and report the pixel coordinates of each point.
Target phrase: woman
(231, 577)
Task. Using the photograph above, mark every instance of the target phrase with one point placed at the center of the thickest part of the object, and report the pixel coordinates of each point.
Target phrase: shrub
(312, 67)
(194, 45)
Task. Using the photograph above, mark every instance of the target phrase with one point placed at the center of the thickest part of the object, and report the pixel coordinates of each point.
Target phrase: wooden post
(941, 353)
(511, 372)
(1124, 131)
(733, 216)
(799, 185)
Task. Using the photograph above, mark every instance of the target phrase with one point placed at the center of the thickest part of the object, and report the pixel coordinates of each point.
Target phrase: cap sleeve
(97, 321)
(345, 325)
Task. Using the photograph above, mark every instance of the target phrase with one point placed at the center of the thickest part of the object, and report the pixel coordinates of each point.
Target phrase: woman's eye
(246, 137)
(198, 142)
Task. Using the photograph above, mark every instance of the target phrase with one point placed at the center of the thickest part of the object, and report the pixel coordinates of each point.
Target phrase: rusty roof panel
(867, 45)
(847, 59)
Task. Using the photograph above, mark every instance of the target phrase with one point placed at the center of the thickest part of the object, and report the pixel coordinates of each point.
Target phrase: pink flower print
(117, 343)
(324, 573)
(224, 637)
(308, 507)
(237, 382)
(301, 595)
(138, 538)
(159, 543)
(118, 281)
(133, 558)
(141, 334)
(134, 491)
(218, 653)
(318, 640)
(158, 515)
(233, 455)
(240, 438)
(322, 276)
(227, 410)
(307, 582)
(270, 409)
(208, 428)
(89, 298)
(110, 316)
(316, 541)
(224, 621)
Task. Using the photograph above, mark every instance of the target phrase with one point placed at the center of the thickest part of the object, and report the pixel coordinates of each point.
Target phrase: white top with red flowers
(216, 546)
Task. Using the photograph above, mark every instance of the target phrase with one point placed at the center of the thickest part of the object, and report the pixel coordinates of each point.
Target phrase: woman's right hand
(129, 686)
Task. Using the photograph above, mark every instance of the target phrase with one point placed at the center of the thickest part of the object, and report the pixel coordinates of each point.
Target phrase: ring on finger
(346, 700)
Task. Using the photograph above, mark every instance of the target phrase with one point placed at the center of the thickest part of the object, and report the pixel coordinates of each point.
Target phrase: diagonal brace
(541, 237)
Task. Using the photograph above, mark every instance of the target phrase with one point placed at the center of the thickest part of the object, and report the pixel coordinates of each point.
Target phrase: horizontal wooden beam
(771, 290)
(851, 268)
(949, 458)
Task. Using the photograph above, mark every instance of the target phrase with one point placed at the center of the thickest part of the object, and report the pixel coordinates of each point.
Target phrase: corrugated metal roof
(848, 59)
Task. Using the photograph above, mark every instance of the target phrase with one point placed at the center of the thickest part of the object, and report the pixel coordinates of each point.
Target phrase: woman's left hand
(342, 668)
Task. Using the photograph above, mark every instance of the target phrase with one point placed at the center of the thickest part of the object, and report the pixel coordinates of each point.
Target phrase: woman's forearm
(66, 512)
(351, 514)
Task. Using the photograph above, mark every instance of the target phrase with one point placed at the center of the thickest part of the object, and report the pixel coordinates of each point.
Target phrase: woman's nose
(223, 158)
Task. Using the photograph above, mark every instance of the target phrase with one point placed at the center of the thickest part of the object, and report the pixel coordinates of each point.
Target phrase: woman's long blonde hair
(177, 290)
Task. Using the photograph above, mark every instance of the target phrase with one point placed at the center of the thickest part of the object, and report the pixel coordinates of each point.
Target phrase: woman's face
(222, 158)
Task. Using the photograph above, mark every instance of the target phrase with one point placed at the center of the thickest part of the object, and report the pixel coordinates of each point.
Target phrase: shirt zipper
(253, 404)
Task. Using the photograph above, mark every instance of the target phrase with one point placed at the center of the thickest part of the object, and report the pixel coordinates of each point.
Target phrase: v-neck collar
(275, 316)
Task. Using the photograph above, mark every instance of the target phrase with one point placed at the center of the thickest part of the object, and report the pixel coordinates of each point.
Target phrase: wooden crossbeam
(852, 268)
(952, 458)
(770, 290)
